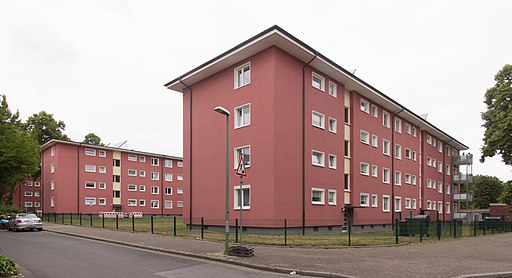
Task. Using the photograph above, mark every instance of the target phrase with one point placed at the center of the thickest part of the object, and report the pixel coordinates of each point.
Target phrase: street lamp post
(225, 112)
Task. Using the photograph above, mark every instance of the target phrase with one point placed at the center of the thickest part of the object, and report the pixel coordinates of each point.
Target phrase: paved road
(51, 255)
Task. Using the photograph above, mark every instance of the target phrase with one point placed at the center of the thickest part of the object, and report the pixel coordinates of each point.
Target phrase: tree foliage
(19, 152)
(487, 190)
(506, 194)
(498, 117)
(44, 128)
(92, 139)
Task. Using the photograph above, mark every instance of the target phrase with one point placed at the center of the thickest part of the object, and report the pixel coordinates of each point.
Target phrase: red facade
(27, 195)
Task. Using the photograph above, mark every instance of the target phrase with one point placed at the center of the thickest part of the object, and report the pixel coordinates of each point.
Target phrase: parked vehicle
(25, 221)
(4, 224)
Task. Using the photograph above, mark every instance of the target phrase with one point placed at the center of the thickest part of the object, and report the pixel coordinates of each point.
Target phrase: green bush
(7, 266)
(8, 210)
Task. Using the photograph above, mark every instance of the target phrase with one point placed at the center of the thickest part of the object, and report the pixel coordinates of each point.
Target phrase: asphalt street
(51, 255)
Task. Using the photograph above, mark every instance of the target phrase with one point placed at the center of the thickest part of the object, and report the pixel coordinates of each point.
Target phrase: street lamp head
(222, 110)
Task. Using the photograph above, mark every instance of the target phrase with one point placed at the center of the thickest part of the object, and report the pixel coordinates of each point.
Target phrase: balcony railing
(463, 197)
(465, 159)
(463, 178)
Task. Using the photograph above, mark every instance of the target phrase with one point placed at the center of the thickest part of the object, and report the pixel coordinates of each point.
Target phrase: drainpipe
(304, 144)
(444, 179)
(393, 166)
(190, 153)
(78, 178)
(42, 198)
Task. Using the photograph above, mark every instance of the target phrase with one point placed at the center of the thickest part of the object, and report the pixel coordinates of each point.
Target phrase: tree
(487, 190)
(44, 128)
(92, 139)
(498, 117)
(19, 152)
(506, 194)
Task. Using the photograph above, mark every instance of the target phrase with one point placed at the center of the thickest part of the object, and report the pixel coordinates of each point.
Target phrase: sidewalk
(465, 257)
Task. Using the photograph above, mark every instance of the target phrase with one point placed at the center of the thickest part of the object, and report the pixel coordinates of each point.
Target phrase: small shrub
(7, 266)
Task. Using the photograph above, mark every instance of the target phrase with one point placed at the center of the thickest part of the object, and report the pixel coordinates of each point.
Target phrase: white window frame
(414, 155)
(52, 168)
(179, 191)
(155, 190)
(168, 204)
(375, 201)
(322, 196)
(407, 203)
(52, 185)
(142, 173)
(240, 75)
(132, 202)
(243, 119)
(52, 150)
(331, 192)
(407, 128)
(448, 189)
(448, 208)
(321, 158)
(333, 125)
(398, 178)
(90, 201)
(142, 188)
(132, 187)
(102, 185)
(90, 152)
(142, 202)
(155, 161)
(102, 153)
(90, 168)
(236, 194)
(179, 164)
(102, 201)
(413, 129)
(333, 89)
(37, 204)
(398, 125)
(375, 141)
(364, 137)
(142, 158)
(153, 202)
(155, 176)
(413, 203)
(386, 119)
(179, 177)
(318, 85)
(408, 178)
(386, 147)
(236, 153)
(132, 157)
(398, 151)
(132, 172)
(439, 166)
(375, 171)
(366, 198)
(375, 111)
(429, 139)
(408, 153)
(386, 175)
(91, 184)
(28, 194)
(364, 105)
(168, 177)
(386, 203)
(333, 161)
(364, 169)
(179, 204)
(440, 207)
(398, 204)
(52, 202)
(168, 191)
(28, 204)
(102, 169)
(321, 119)
(168, 163)
(36, 183)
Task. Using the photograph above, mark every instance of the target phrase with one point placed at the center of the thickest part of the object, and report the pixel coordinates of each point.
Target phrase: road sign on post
(241, 166)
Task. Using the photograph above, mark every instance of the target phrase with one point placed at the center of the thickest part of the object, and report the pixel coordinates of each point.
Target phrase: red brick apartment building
(27, 196)
(322, 144)
(82, 178)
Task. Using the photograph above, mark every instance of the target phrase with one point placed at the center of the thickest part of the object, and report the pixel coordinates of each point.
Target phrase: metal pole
(241, 206)
(226, 241)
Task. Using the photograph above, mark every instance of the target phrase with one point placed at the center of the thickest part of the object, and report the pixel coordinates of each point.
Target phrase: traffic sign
(241, 166)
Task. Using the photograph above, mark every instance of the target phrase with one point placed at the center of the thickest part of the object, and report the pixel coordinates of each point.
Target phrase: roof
(54, 142)
(276, 36)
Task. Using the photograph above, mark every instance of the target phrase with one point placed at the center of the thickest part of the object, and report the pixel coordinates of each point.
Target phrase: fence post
(152, 223)
(174, 230)
(202, 227)
(71, 216)
(285, 234)
(349, 232)
(396, 230)
(117, 221)
(454, 228)
(421, 231)
(133, 222)
(438, 229)
(80, 219)
(485, 226)
(103, 220)
(55, 217)
(90, 217)
(236, 230)
(62, 215)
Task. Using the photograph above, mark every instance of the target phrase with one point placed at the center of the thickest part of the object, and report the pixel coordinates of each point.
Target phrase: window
(398, 151)
(375, 141)
(318, 81)
(102, 185)
(52, 170)
(52, 202)
(375, 170)
(142, 188)
(413, 203)
(365, 199)
(429, 139)
(90, 152)
(375, 111)
(116, 194)
(132, 172)
(28, 183)
(346, 148)
(346, 182)
(142, 203)
(429, 161)
(385, 175)
(142, 173)
(448, 189)
(365, 106)
(398, 204)
(364, 169)
(414, 155)
(434, 163)
(414, 131)
(434, 144)
(398, 125)
(439, 187)
(28, 193)
(317, 196)
(243, 75)
(179, 164)
(440, 166)
(246, 151)
(333, 125)
(317, 158)
(90, 168)
(447, 207)
(385, 119)
(116, 162)
(385, 147)
(52, 185)
(408, 153)
(429, 183)
(168, 177)
(347, 115)
(243, 116)
(407, 203)
(132, 202)
(375, 200)
(102, 201)
(52, 150)
(154, 189)
(37, 194)
(132, 157)
(317, 119)
(116, 178)
(440, 207)
(332, 161)
(385, 203)
(28, 204)
(448, 150)
(155, 176)
(246, 197)
(179, 177)
(168, 163)
(364, 137)
(408, 178)
(154, 204)
(408, 128)
(102, 153)
(37, 204)
(155, 161)
(132, 187)
(37, 183)
(331, 197)
(440, 146)
(168, 204)
(179, 204)
(90, 184)
(90, 201)
(102, 169)
(333, 90)
(168, 191)
(447, 170)
(142, 158)
(398, 178)
(179, 191)
(429, 205)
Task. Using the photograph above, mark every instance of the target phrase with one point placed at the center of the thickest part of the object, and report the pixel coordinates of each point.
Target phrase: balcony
(465, 159)
(463, 178)
(463, 197)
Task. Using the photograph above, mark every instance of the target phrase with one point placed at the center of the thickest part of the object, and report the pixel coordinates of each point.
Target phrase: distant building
(82, 178)
(27, 195)
(322, 145)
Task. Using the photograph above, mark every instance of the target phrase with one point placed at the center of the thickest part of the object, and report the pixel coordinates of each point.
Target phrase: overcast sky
(100, 66)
